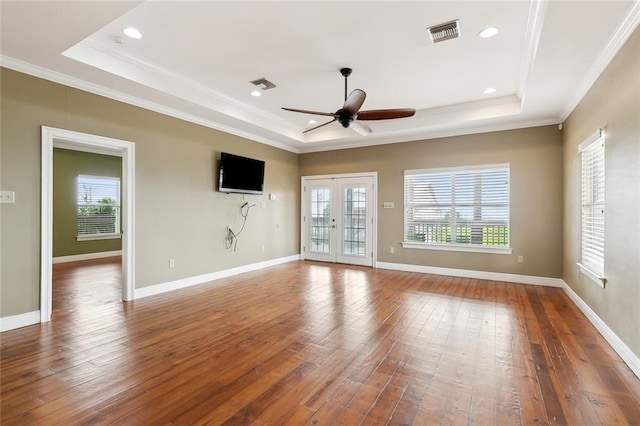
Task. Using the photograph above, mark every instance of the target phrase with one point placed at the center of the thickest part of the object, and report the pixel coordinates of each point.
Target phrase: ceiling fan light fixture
(447, 31)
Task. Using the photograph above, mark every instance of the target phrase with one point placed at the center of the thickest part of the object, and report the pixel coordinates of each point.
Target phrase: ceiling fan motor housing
(344, 118)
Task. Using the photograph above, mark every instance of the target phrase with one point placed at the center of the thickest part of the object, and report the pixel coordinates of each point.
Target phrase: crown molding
(57, 77)
(629, 25)
(121, 63)
(537, 12)
(435, 134)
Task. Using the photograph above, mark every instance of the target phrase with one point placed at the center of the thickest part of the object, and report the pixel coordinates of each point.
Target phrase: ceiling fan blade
(304, 111)
(386, 114)
(354, 101)
(360, 127)
(321, 125)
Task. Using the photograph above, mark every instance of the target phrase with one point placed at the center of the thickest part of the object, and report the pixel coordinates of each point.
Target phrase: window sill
(98, 237)
(459, 247)
(593, 276)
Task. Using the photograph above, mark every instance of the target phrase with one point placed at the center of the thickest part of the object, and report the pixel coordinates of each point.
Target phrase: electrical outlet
(263, 204)
(263, 248)
(520, 259)
(172, 263)
(392, 250)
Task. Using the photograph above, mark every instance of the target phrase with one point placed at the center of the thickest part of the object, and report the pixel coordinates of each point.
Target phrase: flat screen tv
(240, 174)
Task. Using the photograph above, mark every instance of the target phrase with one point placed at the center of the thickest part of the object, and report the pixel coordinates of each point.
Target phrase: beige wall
(179, 215)
(613, 103)
(535, 156)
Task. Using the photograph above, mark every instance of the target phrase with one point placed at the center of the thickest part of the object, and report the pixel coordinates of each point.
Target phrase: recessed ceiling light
(488, 32)
(132, 33)
(256, 93)
(489, 90)
(312, 121)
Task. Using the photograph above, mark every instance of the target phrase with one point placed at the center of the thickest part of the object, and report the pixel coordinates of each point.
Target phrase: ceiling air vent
(445, 31)
(263, 82)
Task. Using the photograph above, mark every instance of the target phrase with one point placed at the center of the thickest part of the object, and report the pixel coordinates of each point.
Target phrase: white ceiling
(196, 59)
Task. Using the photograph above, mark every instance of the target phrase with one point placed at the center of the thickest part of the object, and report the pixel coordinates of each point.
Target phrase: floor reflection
(344, 312)
(337, 305)
(88, 294)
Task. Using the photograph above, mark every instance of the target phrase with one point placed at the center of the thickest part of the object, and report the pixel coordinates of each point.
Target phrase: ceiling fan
(351, 116)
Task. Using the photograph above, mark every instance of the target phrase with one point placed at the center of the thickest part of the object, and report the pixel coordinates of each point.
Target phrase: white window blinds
(593, 190)
(98, 205)
(462, 206)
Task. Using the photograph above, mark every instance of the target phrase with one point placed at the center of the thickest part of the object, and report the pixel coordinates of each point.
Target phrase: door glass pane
(320, 220)
(354, 230)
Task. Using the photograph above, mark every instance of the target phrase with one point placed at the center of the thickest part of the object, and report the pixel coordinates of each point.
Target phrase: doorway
(339, 218)
(67, 139)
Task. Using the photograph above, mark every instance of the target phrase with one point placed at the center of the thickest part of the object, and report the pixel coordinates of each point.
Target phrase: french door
(338, 219)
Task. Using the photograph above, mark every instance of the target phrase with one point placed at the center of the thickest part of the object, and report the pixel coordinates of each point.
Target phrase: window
(592, 152)
(98, 207)
(320, 219)
(458, 209)
(354, 220)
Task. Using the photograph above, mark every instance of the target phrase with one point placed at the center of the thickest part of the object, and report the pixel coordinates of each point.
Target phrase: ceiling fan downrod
(346, 72)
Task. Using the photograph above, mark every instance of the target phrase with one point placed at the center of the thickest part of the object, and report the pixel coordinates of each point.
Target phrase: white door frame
(374, 203)
(68, 139)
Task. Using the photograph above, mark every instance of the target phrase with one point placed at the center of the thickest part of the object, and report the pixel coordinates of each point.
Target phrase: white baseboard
(627, 355)
(18, 321)
(468, 273)
(200, 279)
(87, 256)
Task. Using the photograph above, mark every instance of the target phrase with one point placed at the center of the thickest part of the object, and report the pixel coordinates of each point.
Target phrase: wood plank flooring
(311, 343)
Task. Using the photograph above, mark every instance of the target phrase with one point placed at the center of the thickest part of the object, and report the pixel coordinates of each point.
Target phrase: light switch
(388, 205)
(272, 197)
(8, 197)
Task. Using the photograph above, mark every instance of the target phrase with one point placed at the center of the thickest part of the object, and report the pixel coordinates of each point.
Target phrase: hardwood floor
(311, 343)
